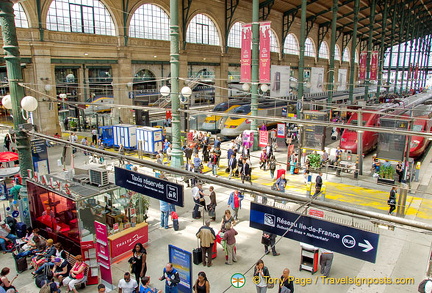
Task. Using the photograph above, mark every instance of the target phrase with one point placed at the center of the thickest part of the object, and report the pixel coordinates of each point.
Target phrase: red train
(419, 143)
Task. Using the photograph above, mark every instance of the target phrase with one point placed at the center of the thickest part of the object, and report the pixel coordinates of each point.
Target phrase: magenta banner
(103, 251)
(362, 65)
(246, 55)
(374, 66)
(264, 59)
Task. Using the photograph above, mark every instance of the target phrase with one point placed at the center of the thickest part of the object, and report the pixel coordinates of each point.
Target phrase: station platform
(403, 254)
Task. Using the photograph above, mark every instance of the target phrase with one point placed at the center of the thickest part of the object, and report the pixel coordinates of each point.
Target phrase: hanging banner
(263, 138)
(246, 57)
(416, 71)
(362, 64)
(264, 59)
(281, 130)
(409, 71)
(374, 66)
(317, 80)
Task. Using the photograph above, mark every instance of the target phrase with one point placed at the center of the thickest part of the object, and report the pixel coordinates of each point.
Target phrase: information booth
(65, 211)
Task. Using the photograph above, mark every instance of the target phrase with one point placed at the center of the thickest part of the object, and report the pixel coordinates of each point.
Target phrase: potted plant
(73, 125)
(141, 203)
(314, 161)
(386, 174)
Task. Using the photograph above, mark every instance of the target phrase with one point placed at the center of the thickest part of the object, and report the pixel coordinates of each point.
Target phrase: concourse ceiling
(411, 18)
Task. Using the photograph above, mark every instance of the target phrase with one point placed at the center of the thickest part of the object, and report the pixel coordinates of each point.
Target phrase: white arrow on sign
(367, 246)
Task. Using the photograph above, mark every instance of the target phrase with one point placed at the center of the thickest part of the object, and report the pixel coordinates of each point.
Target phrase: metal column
(302, 54)
(369, 48)
(332, 49)
(255, 69)
(177, 154)
(382, 50)
(13, 66)
(353, 50)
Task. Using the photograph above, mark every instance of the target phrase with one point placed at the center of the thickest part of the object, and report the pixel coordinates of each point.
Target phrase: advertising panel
(126, 242)
(280, 81)
(362, 65)
(317, 80)
(102, 251)
(374, 66)
(182, 262)
(342, 79)
(263, 138)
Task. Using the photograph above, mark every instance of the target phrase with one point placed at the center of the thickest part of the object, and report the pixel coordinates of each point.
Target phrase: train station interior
(333, 96)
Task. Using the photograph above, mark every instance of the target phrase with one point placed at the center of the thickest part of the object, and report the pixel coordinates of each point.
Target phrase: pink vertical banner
(362, 66)
(374, 66)
(263, 138)
(264, 55)
(416, 71)
(103, 252)
(409, 71)
(246, 53)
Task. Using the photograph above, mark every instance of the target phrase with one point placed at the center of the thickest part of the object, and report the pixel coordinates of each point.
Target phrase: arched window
(234, 37)
(149, 22)
(274, 44)
(309, 48)
(337, 53)
(20, 16)
(324, 51)
(291, 45)
(346, 55)
(202, 30)
(144, 80)
(80, 16)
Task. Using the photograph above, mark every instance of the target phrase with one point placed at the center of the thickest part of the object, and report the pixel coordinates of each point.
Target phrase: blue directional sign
(335, 237)
(150, 186)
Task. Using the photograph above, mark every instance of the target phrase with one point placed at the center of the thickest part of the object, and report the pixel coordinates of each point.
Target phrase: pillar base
(177, 159)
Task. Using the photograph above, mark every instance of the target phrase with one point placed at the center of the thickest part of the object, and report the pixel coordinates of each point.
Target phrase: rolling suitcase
(197, 256)
(175, 224)
(196, 215)
(21, 264)
(21, 229)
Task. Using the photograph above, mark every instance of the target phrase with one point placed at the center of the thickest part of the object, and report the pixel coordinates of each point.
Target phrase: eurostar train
(214, 123)
(234, 126)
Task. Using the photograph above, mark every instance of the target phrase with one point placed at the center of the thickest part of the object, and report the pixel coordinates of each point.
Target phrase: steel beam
(353, 50)
(369, 52)
(186, 6)
(265, 8)
(331, 72)
(230, 8)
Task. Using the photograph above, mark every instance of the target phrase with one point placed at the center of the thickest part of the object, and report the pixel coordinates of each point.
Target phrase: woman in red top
(76, 275)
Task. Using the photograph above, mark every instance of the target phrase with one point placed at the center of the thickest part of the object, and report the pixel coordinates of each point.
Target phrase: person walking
(212, 205)
(232, 164)
(272, 166)
(165, 210)
(392, 200)
(171, 278)
(234, 201)
(230, 241)
(227, 218)
(207, 236)
(269, 239)
(214, 159)
(127, 285)
(281, 183)
(261, 275)
(286, 284)
(326, 260)
(202, 285)
(417, 171)
(7, 142)
(245, 171)
(263, 159)
(318, 184)
(139, 262)
(198, 197)
(94, 135)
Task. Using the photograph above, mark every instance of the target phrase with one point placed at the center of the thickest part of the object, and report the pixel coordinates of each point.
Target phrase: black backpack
(422, 286)
(41, 280)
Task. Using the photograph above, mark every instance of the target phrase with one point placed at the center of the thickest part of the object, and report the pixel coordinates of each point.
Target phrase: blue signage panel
(40, 156)
(338, 238)
(182, 262)
(150, 186)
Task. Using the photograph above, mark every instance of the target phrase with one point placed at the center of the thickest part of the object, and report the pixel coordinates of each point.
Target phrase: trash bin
(309, 258)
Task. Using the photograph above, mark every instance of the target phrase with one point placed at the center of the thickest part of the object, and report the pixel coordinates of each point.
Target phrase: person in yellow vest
(417, 171)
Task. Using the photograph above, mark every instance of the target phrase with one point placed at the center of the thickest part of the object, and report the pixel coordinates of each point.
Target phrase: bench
(71, 260)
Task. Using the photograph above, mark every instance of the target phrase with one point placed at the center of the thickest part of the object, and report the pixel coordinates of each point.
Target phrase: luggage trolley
(309, 258)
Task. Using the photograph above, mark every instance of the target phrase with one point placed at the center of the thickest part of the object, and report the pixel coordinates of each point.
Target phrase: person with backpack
(50, 286)
(272, 166)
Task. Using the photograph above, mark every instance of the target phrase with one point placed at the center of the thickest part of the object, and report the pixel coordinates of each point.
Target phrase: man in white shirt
(198, 197)
(127, 285)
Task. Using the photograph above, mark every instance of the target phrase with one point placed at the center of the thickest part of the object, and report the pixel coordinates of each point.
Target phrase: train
(420, 143)
(213, 123)
(100, 105)
(234, 126)
(348, 139)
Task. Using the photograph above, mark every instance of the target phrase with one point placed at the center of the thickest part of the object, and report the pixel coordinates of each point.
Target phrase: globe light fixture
(264, 87)
(165, 91)
(28, 104)
(7, 102)
(245, 87)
